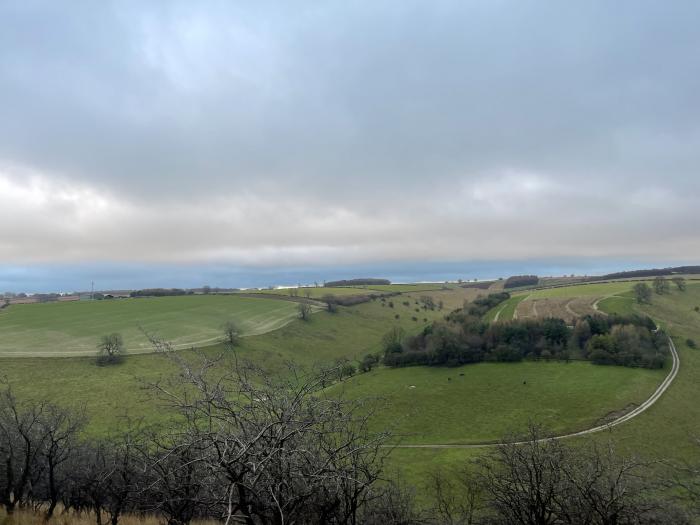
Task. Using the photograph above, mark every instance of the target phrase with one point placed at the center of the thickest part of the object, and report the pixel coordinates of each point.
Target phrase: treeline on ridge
(357, 282)
(463, 337)
(160, 292)
(521, 280)
(653, 272)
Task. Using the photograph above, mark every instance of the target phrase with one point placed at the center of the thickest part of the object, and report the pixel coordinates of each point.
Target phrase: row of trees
(369, 281)
(294, 456)
(688, 270)
(660, 286)
(160, 292)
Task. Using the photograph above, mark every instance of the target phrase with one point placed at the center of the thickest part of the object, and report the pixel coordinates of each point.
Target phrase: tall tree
(680, 283)
(642, 292)
(661, 285)
(304, 311)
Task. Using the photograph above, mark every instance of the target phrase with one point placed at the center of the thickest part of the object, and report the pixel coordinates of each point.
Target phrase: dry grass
(452, 299)
(561, 307)
(27, 517)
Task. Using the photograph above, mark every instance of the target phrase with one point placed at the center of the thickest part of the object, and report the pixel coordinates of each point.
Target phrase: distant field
(572, 302)
(482, 402)
(314, 292)
(411, 287)
(584, 289)
(74, 328)
(567, 308)
(452, 299)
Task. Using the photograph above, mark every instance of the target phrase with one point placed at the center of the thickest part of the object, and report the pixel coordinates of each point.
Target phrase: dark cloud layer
(307, 133)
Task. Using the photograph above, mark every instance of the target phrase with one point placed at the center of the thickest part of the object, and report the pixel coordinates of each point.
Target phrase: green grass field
(488, 401)
(598, 289)
(482, 402)
(623, 304)
(666, 430)
(507, 308)
(110, 392)
(75, 328)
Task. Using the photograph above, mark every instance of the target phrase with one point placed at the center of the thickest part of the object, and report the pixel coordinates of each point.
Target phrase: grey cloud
(364, 130)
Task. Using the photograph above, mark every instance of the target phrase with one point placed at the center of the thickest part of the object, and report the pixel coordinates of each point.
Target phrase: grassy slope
(623, 304)
(452, 299)
(507, 309)
(74, 328)
(109, 392)
(667, 427)
(350, 333)
(601, 289)
(665, 430)
(477, 403)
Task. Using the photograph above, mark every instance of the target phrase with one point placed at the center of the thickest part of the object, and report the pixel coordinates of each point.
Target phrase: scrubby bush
(368, 362)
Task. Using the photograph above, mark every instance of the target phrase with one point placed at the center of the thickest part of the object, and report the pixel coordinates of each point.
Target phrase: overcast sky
(291, 133)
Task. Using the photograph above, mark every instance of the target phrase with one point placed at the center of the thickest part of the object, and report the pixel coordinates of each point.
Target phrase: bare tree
(680, 283)
(60, 428)
(642, 293)
(281, 450)
(231, 334)
(541, 481)
(392, 504)
(304, 311)
(36, 440)
(110, 350)
(179, 484)
(661, 285)
(456, 496)
(331, 303)
(123, 476)
(21, 442)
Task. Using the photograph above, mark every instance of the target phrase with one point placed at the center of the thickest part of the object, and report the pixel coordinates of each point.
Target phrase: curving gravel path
(626, 417)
